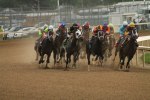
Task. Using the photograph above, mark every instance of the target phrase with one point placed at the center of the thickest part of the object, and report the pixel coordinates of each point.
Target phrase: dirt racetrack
(22, 79)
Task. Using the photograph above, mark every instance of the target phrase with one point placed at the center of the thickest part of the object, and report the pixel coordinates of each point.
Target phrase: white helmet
(50, 27)
(125, 23)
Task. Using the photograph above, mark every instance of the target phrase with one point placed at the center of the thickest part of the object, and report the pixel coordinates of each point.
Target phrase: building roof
(132, 3)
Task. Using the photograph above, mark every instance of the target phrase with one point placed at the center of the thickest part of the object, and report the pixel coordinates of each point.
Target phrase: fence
(144, 43)
(69, 14)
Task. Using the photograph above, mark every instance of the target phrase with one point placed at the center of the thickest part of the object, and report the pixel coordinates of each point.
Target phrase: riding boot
(118, 42)
(122, 44)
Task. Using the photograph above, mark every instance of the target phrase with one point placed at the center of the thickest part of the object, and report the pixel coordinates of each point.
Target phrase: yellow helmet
(110, 25)
(131, 24)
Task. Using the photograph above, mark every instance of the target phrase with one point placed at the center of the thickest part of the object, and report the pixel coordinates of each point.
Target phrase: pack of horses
(100, 46)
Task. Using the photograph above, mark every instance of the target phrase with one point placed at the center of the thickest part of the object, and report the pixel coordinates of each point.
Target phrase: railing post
(142, 43)
(143, 58)
(147, 43)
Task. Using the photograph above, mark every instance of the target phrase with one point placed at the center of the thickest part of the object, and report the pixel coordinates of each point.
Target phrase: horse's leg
(41, 59)
(116, 51)
(62, 51)
(36, 56)
(54, 56)
(129, 59)
(128, 64)
(67, 61)
(47, 61)
(61, 55)
(88, 58)
(122, 62)
(75, 58)
(110, 51)
(57, 55)
(101, 57)
(36, 50)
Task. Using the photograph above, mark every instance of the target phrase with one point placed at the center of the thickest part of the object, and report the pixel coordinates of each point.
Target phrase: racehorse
(60, 37)
(128, 49)
(73, 48)
(108, 45)
(47, 46)
(95, 48)
(85, 33)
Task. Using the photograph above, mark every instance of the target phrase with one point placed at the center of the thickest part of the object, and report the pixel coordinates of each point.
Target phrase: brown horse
(85, 34)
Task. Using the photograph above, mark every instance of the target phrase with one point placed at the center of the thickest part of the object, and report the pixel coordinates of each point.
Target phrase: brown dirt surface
(22, 79)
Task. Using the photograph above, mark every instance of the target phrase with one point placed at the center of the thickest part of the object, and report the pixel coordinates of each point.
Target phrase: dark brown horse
(46, 48)
(58, 41)
(73, 48)
(95, 47)
(128, 49)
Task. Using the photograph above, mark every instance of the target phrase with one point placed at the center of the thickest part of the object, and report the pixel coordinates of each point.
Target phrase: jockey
(45, 31)
(72, 29)
(96, 29)
(42, 32)
(86, 26)
(50, 30)
(122, 30)
(106, 29)
(129, 31)
(131, 27)
(111, 26)
(61, 28)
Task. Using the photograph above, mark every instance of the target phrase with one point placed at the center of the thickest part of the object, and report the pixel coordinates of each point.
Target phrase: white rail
(143, 48)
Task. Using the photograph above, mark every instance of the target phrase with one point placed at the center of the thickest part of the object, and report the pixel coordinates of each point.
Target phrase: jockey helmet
(105, 24)
(110, 25)
(63, 24)
(131, 24)
(87, 24)
(50, 27)
(76, 25)
(99, 27)
(125, 23)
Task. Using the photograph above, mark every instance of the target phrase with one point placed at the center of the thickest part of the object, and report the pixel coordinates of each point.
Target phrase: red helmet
(87, 24)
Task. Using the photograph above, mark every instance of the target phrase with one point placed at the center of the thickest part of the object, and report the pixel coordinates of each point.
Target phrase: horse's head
(100, 35)
(50, 35)
(78, 34)
(133, 34)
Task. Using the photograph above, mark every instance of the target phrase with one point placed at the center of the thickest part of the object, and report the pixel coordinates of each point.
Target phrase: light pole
(38, 6)
(58, 4)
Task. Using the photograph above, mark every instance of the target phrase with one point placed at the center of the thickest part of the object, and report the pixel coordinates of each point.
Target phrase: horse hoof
(127, 70)
(40, 62)
(66, 69)
(47, 68)
(120, 69)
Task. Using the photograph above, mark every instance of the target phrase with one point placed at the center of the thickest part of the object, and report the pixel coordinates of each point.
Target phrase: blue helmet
(105, 24)
(63, 24)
